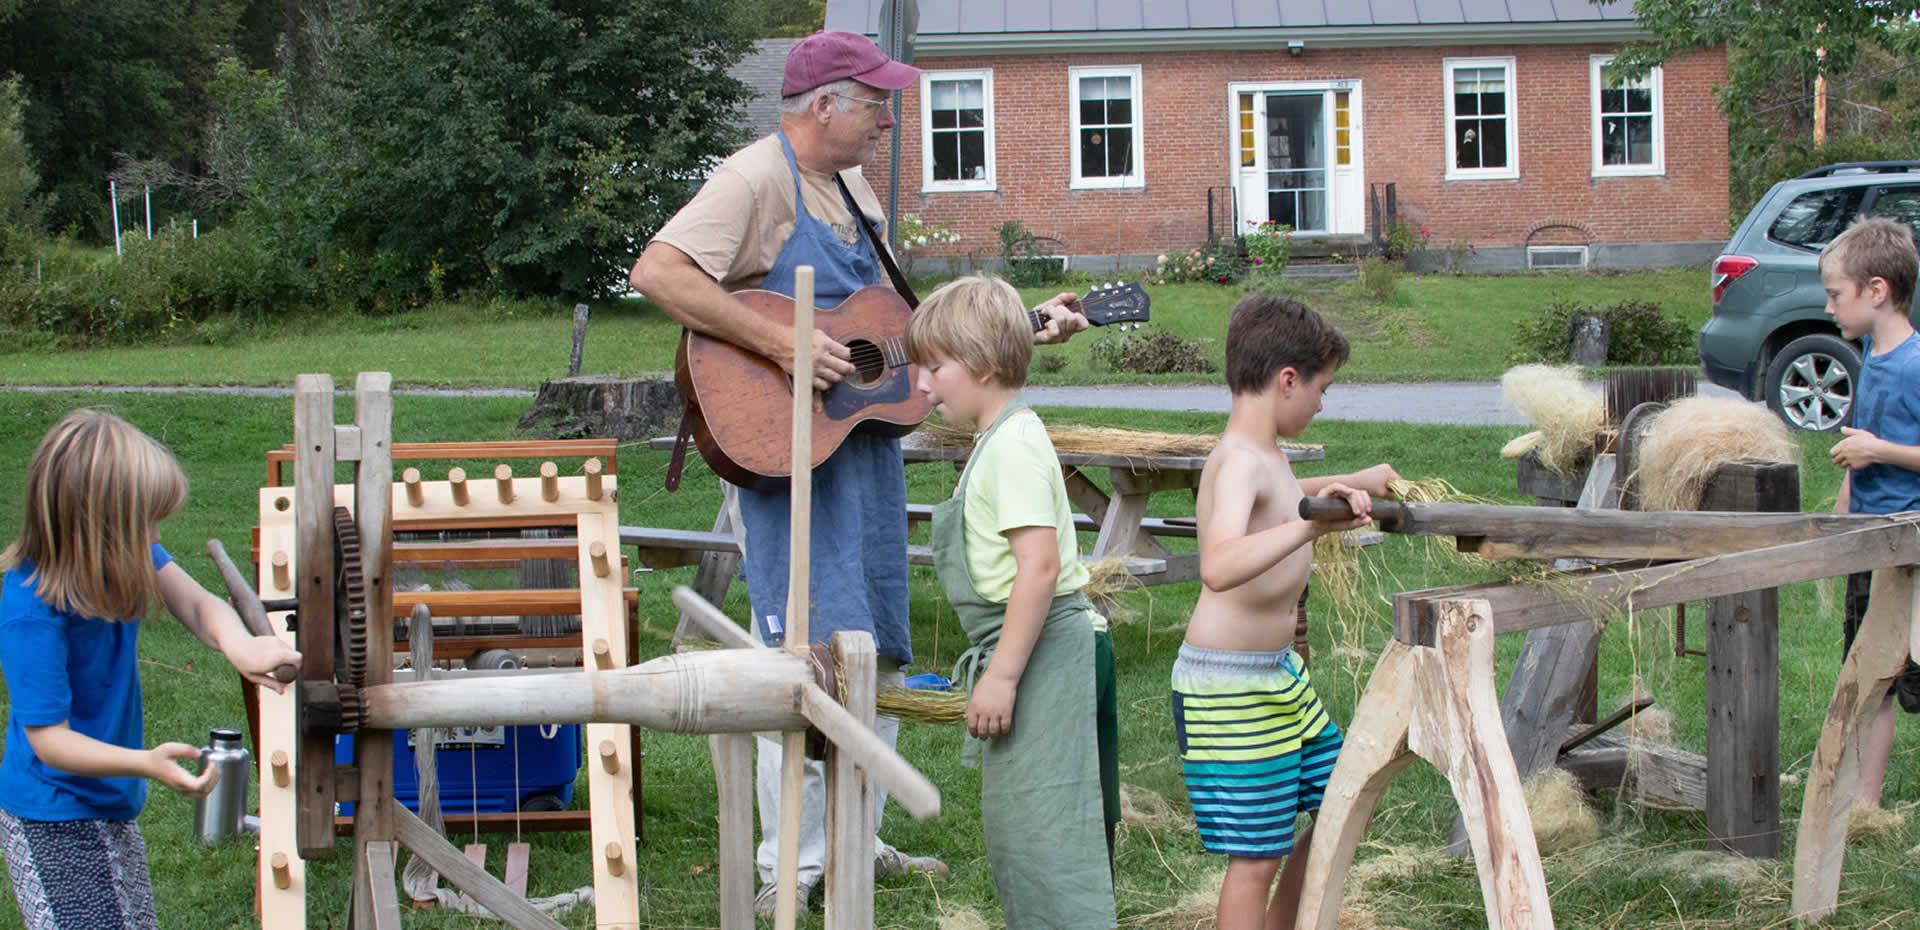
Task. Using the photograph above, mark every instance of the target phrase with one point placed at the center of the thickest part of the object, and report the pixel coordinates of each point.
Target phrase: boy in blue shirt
(1868, 272)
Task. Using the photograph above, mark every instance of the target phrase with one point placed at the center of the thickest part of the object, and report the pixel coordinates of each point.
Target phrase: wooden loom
(730, 693)
(1432, 692)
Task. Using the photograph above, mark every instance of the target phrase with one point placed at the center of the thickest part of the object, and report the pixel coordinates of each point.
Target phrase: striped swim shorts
(1256, 746)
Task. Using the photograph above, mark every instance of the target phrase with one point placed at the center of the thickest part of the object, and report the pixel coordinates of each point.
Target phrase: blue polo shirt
(83, 670)
(1888, 406)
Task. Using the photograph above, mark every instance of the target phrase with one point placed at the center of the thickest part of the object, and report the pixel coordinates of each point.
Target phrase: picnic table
(1118, 517)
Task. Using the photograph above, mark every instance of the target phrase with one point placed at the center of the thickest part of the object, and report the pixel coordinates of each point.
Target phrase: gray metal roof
(763, 69)
(996, 17)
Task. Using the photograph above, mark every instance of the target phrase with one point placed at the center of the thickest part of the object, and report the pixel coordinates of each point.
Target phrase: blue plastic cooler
(476, 766)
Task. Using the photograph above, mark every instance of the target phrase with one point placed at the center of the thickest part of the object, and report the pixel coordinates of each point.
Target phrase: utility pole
(899, 20)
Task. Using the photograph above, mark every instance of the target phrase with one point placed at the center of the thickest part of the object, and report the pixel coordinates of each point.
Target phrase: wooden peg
(457, 477)
(609, 757)
(282, 574)
(602, 654)
(282, 872)
(615, 865)
(416, 494)
(549, 482)
(503, 477)
(593, 469)
(282, 772)
(597, 551)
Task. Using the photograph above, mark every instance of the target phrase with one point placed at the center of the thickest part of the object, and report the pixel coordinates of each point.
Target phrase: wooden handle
(246, 602)
(1335, 510)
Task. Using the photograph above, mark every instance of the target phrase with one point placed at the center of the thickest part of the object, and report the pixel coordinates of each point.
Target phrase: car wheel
(1810, 383)
(542, 801)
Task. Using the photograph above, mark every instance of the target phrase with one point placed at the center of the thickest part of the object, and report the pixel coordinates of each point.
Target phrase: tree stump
(606, 407)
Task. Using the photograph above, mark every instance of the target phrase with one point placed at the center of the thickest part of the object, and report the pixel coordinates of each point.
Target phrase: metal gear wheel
(349, 597)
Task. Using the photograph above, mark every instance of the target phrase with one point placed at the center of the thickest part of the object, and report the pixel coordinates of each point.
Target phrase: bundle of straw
(1686, 443)
(1571, 418)
(1099, 440)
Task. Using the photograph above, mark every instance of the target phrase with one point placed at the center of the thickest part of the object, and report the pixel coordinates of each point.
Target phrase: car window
(1812, 219)
(1900, 203)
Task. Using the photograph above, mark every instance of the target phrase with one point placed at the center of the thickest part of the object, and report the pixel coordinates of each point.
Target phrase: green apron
(1040, 798)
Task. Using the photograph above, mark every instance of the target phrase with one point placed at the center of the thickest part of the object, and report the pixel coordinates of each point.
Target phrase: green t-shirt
(1015, 482)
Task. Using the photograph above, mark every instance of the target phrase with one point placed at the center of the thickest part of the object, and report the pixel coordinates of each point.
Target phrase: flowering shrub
(1217, 263)
(916, 235)
(1402, 239)
(1269, 246)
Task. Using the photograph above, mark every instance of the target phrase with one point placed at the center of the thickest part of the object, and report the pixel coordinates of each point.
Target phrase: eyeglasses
(876, 105)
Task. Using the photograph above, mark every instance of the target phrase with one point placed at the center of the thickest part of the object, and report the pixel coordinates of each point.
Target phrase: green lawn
(1437, 328)
(1633, 877)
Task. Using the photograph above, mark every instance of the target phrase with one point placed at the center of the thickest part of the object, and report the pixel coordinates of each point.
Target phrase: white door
(1296, 156)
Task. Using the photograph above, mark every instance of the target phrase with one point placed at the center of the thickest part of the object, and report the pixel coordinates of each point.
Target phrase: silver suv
(1770, 337)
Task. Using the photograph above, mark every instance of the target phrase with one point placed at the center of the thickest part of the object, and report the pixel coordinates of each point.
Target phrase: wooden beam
(733, 775)
(1584, 595)
(314, 570)
(469, 878)
(1505, 531)
(850, 814)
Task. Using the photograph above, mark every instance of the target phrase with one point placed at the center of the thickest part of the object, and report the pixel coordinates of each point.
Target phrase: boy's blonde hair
(1876, 247)
(96, 488)
(978, 321)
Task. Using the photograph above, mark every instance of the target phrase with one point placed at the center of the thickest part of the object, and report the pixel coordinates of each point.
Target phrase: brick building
(1129, 128)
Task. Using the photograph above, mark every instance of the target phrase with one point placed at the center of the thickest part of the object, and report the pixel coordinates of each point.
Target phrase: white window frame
(1138, 177)
(927, 79)
(1511, 171)
(1596, 77)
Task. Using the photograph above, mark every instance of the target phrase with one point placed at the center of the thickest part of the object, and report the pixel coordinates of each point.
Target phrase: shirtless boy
(1255, 744)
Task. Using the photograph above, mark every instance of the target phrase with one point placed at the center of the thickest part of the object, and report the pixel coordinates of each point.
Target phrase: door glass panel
(1297, 160)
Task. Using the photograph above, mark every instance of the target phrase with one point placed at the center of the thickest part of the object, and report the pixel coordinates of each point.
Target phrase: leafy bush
(1218, 262)
(1639, 333)
(1029, 262)
(1269, 245)
(1403, 240)
(1378, 276)
(1150, 352)
(916, 234)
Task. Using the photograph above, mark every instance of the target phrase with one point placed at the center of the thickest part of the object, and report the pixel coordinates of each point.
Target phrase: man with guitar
(784, 201)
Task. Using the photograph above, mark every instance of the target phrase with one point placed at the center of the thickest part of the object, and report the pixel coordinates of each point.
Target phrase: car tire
(1810, 384)
(542, 801)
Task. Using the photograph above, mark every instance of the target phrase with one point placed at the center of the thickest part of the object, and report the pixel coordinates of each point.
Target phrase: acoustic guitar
(740, 404)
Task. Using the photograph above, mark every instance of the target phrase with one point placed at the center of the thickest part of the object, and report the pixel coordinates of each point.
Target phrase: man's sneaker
(764, 902)
(890, 861)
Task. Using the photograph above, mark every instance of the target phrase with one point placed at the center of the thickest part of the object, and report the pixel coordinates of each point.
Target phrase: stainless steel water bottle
(218, 815)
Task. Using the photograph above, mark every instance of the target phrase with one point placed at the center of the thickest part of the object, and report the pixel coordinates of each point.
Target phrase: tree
(22, 210)
(530, 145)
(102, 79)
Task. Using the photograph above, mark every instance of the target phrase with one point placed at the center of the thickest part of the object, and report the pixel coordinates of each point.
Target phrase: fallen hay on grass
(1698, 867)
(1687, 442)
(1865, 823)
(1195, 910)
(1570, 416)
(1144, 807)
(1562, 818)
(962, 918)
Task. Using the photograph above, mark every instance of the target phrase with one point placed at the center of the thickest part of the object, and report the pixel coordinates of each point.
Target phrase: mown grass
(1436, 328)
(1626, 880)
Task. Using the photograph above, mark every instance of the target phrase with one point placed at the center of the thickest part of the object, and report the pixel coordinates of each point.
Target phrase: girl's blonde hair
(96, 488)
(978, 321)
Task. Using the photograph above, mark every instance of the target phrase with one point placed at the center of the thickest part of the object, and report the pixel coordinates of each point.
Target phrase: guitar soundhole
(869, 365)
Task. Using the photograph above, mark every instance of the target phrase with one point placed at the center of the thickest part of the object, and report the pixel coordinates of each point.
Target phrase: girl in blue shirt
(86, 567)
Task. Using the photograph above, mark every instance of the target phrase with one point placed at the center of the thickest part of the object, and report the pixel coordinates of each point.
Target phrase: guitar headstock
(1110, 304)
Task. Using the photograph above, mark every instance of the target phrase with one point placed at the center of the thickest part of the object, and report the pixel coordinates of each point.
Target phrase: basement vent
(1556, 256)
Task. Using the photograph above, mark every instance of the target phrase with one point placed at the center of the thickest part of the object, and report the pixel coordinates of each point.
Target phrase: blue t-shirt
(1888, 407)
(83, 670)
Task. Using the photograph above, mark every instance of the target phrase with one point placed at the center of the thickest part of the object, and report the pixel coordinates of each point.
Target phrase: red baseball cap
(825, 57)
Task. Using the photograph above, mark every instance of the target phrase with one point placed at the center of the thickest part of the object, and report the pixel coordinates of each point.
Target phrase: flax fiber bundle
(1099, 440)
(1686, 443)
(1569, 416)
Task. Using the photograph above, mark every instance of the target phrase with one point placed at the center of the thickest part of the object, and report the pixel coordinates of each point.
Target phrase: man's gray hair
(803, 101)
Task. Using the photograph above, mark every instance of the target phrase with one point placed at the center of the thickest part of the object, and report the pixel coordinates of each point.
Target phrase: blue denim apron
(858, 562)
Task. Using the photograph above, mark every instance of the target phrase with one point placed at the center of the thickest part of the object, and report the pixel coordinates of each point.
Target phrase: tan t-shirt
(737, 224)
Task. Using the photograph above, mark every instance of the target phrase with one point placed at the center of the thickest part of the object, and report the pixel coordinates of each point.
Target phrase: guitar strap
(879, 248)
(690, 415)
